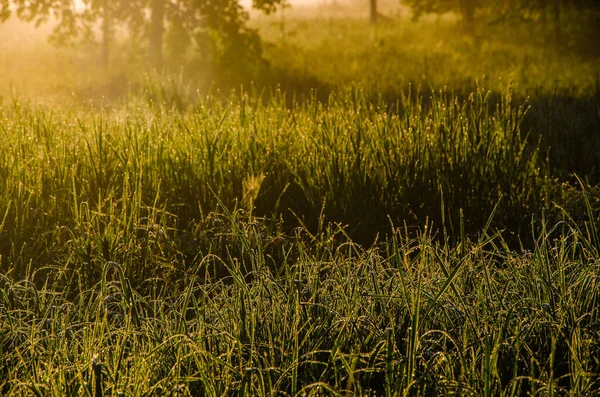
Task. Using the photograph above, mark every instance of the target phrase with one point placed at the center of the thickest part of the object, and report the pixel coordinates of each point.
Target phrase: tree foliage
(466, 8)
(70, 23)
(551, 13)
(185, 23)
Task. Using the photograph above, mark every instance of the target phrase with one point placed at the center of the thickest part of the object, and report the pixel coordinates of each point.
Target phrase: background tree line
(557, 15)
(220, 24)
(218, 28)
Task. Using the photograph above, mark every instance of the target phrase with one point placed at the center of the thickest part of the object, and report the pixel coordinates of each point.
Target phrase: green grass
(330, 318)
(353, 162)
(344, 225)
(384, 59)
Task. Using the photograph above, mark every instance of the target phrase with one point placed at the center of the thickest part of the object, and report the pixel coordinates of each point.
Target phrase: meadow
(399, 209)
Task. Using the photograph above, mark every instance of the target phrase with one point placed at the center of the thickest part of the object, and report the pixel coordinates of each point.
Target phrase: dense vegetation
(367, 210)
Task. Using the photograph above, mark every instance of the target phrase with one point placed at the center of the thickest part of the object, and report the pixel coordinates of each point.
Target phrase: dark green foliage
(558, 16)
(466, 8)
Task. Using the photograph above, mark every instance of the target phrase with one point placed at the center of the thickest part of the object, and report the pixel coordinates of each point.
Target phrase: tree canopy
(552, 13)
(221, 23)
(466, 8)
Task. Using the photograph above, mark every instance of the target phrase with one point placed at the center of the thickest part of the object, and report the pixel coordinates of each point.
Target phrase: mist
(342, 197)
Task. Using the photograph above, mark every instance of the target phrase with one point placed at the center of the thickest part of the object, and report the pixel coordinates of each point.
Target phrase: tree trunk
(373, 12)
(156, 34)
(467, 11)
(557, 21)
(544, 8)
(106, 34)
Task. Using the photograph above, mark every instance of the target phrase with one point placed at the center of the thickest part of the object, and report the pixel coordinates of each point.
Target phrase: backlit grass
(368, 216)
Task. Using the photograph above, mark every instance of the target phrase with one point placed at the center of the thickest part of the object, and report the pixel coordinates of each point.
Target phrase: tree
(466, 9)
(72, 22)
(551, 13)
(373, 10)
(223, 20)
(155, 52)
(558, 16)
(4, 10)
(41, 11)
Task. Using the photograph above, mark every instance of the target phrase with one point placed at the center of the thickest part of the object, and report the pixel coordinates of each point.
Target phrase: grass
(379, 235)
(416, 317)
(348, 160)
